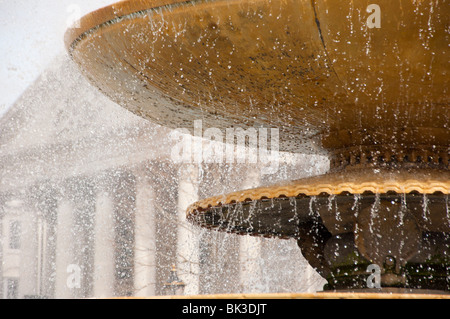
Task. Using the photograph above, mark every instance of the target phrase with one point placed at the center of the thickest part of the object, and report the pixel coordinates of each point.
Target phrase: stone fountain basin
(399, 221)
(277, 210)
(313, 69)
(375, 99)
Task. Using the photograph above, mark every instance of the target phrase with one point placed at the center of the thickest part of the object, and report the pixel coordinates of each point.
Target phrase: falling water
(425, 208)
(293, 204)
(374, 209)
(447, 209)
(312, 201)
(252, 211)
(355, 208)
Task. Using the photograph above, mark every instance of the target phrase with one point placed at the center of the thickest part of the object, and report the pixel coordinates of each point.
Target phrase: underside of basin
(312, 69)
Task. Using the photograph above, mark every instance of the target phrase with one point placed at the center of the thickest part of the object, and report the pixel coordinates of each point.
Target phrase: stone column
(30, 253)
(75, 242)
(64, 250)
(104, 246)
(145, 238)
(124, 232)
(83, 234)
(41, 252)
(49, 218)
(187, 242)
(250, 247)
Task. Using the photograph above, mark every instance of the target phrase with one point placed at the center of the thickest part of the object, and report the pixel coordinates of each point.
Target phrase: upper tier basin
(313, 69)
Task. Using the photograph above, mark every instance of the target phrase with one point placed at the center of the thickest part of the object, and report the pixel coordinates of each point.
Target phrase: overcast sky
(31, 35)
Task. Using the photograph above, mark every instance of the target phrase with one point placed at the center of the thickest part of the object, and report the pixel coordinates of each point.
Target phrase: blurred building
(91, 204)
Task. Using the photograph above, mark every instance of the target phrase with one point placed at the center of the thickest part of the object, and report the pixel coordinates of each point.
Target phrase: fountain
(365, 84)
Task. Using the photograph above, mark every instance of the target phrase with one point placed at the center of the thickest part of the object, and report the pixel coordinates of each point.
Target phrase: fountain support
(373, 97)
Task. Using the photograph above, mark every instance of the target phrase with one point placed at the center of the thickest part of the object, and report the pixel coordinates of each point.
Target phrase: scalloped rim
(424, 182)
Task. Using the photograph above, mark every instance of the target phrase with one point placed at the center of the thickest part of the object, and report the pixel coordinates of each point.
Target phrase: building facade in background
(91, 205)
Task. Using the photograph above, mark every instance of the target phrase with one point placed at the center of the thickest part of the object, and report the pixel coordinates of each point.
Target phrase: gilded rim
(375, 181)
